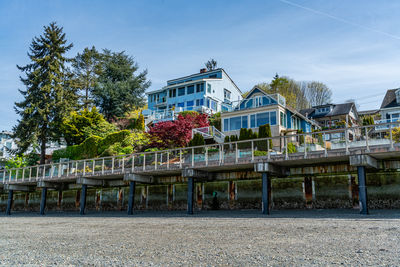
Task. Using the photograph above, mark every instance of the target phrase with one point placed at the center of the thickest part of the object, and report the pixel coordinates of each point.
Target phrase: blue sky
(352, 46)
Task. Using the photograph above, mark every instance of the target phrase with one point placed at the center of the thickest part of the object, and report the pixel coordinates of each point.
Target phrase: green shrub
(245, 134)
(226, 140)
(189, 112)
(197, 140)
(264, 131)
(291, 148)
(258, 153)
(109, 140)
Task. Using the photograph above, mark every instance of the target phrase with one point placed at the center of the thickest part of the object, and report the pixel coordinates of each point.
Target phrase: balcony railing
(386, 124)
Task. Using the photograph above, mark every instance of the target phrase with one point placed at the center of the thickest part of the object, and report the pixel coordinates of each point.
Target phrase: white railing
(385, 124)
(230, 153)
(210, 132)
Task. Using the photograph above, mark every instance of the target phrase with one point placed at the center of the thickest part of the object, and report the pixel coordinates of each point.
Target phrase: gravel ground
(313, 237)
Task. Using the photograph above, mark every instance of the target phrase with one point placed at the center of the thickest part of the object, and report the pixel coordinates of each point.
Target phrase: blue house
(206, 92)
(259, 108)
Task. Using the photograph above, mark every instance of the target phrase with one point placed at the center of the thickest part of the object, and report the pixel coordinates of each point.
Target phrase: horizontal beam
(363, 161)
(146, 179)
(271, 168)
(45, 184)
(17, 187)
(192, 173)
(91, 182)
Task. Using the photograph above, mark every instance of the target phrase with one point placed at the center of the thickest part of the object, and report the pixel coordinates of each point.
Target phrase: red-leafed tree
(177, 133)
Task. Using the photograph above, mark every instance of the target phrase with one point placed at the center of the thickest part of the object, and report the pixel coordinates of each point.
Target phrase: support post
(9, 202)
(83, 199)
(132, 185)
(265, 193)
(190, 195)
(43, 200)
(362, 189)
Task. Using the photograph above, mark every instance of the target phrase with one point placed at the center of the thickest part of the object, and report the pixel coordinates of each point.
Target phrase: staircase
(210, 133)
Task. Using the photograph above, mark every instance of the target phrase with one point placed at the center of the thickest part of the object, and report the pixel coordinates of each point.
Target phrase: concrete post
(190, 195)
(362, 190)
(131, 198)
(9, 202)
(265, 193)
(43, 200)
(83, 199)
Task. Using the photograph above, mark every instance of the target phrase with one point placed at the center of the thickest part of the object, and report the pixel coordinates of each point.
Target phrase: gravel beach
(312, 237)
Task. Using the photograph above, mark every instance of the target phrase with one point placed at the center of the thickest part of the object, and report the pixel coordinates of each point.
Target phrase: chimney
(203, 70)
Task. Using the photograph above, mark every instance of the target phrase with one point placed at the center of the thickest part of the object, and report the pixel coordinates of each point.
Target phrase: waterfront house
(390, 109)
(259, 108)
(334, 116)
(206, 92)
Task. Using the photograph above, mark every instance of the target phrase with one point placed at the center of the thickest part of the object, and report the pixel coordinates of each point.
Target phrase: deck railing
(240, 152)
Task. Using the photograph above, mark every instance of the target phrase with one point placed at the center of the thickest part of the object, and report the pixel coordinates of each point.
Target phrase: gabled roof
(338, 109)
(389, 101)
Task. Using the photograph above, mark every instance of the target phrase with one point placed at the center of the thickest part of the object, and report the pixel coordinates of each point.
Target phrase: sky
(351, 46)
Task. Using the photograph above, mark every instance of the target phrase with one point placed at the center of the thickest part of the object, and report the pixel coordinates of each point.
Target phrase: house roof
(194, 75)
(389, 101)
(338, 109)
(369, 112)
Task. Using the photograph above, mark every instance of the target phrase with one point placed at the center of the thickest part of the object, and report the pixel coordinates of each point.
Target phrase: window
(244, 122)
(252, 121)
(199, 87)
(208, 102)
(227, 94)
(181, 105)
(190, 89)
(172, 93)
(262, 118)
(272, 117)
(226, 125)
(214, 105)
(208, 88)
(181, 91)
(199, 102)
(235, 123)
(213, 76)
(283, 119)
(249, 103)
(190, 103)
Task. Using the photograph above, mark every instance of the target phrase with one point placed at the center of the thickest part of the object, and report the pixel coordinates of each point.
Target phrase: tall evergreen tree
(48, 95)
(119, 89)
(86, 68)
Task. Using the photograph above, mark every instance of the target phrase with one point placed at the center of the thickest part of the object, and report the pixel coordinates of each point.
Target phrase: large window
(235, 123)
(181, 91)
(253, 121)
(208, 88)
(199, 102)
(190, 103)
(199, 87)
(244, 122)
(272, 117)
(172, 93)
(190, 89)
(262, 118)
(214, 105)
(181, 105)
(226, 125)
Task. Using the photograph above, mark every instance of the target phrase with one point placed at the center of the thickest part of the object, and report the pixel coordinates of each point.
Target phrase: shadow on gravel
(290, 214)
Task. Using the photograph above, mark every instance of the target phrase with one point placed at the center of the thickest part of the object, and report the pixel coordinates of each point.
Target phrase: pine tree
(48, 95)
(87, 68)
(120, 88)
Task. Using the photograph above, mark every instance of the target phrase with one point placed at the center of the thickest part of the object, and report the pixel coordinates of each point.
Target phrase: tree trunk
(43, 147)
